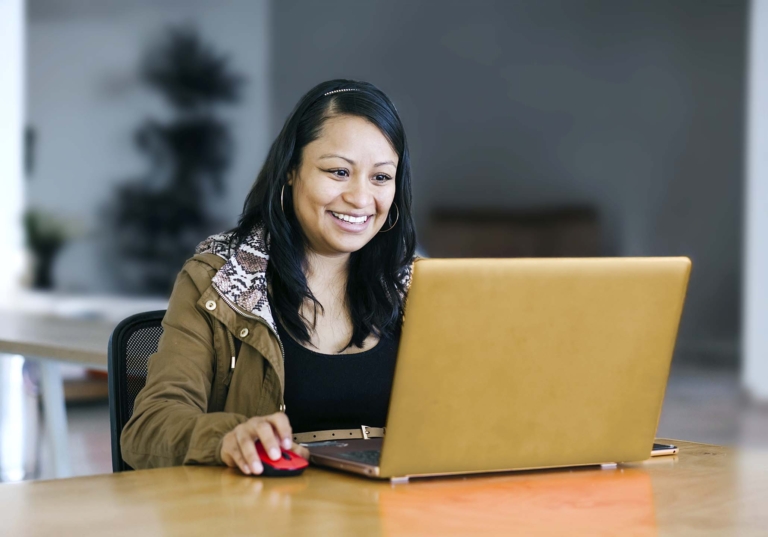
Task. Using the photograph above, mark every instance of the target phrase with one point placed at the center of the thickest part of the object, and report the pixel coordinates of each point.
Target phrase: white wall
(85, 102)
(11, 132)
(633, 106)
(755, 370)
(11, 206)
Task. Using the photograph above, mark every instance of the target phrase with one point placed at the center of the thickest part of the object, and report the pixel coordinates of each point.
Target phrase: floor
(704, 405)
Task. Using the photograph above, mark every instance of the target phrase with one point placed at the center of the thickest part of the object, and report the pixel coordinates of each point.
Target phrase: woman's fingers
(282, 427)
(273, 431)
(247, 447)
(226, 456)
(240, 461)
(231, 455)
(268, 439)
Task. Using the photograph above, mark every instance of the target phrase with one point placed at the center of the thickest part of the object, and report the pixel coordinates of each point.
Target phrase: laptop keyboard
(368, 456)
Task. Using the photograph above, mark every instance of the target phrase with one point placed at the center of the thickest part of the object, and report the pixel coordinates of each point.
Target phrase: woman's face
(344, 188)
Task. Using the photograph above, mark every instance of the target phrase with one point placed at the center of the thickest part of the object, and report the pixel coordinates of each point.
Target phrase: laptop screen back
(532, 363)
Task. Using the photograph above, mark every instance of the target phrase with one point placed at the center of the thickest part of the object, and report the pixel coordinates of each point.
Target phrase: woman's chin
(345, 243)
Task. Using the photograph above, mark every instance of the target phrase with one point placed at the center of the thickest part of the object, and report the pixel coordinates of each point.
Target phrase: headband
(340, 91)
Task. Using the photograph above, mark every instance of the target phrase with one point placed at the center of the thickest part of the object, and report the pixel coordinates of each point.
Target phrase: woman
(290, 322)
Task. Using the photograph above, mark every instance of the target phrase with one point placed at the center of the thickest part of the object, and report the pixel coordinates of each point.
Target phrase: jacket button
(244, 332)
(210, 305)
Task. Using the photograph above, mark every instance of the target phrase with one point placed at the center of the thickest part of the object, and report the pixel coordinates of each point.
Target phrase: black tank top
(337, 391)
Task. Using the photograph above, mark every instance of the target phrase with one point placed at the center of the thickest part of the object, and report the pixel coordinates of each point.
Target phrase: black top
(337, 391)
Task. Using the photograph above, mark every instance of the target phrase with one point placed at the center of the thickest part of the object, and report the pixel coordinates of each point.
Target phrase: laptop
(520, 364)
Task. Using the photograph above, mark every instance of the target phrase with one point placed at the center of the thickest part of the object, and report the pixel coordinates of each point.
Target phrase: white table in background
(53, 329)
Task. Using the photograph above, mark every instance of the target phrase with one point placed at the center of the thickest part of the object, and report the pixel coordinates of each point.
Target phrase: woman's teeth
(350, 219)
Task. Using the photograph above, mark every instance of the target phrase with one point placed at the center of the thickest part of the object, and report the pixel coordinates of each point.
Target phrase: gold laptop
(514, 364)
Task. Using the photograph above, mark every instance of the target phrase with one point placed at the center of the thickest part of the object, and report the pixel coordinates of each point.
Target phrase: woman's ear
(291, 177)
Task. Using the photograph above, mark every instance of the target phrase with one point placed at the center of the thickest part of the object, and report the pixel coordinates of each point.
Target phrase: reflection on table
(705, 489)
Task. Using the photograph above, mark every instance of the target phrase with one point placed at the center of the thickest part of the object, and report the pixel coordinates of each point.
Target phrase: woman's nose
(358, 193)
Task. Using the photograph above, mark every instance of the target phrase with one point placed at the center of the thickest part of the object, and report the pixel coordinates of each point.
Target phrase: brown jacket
(196, 390)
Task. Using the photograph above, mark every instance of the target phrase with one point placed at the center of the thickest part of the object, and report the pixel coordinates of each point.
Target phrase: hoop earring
(281, 198)
(396, 219)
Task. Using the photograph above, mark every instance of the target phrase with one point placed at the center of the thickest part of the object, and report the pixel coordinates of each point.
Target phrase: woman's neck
(326, 272)
(327, 279)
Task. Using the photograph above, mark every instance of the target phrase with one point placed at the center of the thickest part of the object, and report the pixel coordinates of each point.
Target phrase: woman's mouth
(351, 219)
(350, 222)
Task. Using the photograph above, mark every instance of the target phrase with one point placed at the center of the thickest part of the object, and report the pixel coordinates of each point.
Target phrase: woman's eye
(340, 173)
(381, 178)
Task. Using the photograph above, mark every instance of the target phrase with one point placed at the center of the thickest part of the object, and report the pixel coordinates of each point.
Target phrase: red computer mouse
(289, 464)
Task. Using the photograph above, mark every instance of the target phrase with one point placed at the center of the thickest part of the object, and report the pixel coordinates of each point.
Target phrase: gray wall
(635, 107)
(85, 102)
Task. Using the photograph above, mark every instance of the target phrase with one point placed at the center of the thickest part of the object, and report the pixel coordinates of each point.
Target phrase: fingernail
(274, 453)
(257, 468)
(287, 443)
(246, 470)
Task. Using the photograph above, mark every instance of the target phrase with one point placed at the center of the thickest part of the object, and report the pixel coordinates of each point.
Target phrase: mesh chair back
(132, 342)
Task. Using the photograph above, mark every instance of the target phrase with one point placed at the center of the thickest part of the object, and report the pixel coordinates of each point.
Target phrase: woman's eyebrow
(352, 162)
(337, 156)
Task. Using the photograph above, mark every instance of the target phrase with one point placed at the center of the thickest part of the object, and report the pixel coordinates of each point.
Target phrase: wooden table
(705, 490)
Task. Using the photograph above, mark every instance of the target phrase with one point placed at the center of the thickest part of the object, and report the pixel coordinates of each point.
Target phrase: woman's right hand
(273, 431)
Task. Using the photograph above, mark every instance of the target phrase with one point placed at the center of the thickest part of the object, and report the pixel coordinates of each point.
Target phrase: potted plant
(160, 216)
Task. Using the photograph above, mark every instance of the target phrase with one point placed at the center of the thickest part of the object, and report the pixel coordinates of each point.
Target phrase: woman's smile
(351, 222)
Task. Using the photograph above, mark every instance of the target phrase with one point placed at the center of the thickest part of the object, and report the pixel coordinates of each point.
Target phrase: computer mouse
(289, 464)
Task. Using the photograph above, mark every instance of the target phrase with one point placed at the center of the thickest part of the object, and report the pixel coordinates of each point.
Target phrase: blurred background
(536, 128)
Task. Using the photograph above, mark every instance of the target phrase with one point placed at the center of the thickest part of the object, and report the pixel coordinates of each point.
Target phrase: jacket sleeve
(169, 425)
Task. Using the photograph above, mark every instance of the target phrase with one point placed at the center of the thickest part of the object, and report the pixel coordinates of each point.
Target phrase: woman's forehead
(353, 138)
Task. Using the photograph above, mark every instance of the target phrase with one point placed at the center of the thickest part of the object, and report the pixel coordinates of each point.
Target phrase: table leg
(55, 416)
(14, 430)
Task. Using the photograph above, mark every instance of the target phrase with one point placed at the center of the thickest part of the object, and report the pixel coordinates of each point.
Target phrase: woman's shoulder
(236, 268)
(406, 274)
(220, 244)
(216, 253)
(227, 244)
(210, 256)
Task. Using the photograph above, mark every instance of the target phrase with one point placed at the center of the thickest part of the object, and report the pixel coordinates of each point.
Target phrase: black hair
(375, 285)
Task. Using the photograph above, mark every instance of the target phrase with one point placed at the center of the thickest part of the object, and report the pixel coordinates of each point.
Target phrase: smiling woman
(344, 188)
(289, 322)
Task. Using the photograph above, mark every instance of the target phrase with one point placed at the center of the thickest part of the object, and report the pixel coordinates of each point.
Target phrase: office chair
(131, 344)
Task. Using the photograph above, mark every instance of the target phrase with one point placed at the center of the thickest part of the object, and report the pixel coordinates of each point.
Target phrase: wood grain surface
(705, 490)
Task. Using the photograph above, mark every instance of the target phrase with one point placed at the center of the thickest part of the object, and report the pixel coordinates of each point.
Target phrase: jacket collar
(242, 280)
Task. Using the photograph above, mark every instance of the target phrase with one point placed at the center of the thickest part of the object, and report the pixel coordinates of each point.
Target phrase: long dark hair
(375, 286)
